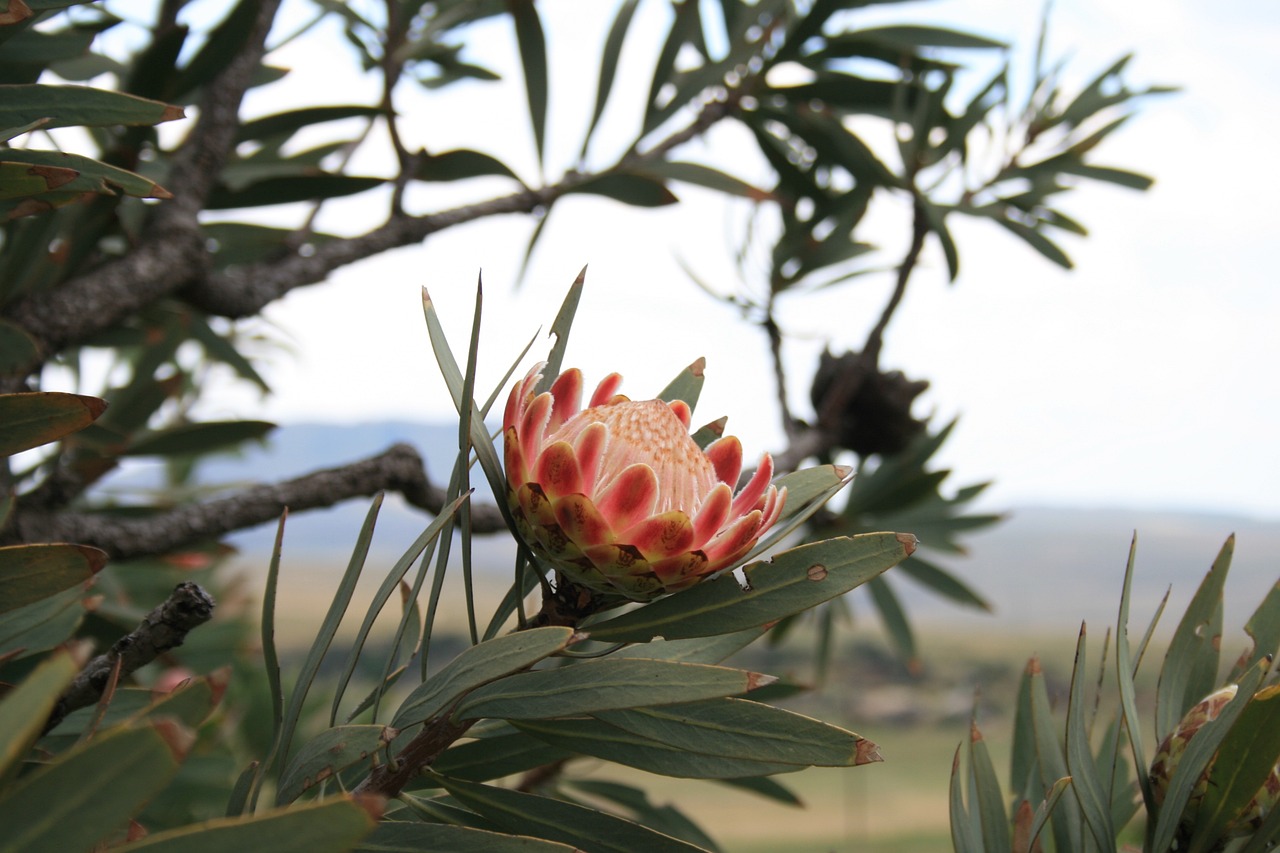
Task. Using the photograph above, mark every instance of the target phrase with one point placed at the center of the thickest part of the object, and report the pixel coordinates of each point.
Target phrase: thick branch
(398, 469)
(164, 628)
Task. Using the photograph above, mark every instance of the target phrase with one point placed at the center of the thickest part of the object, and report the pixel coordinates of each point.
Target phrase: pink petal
(750, 495)
(662, 535)
(582, 522)
(567, 393)
(712, 515)
(533, 426)
(606, 390)
(681, 410)
(520, 395)
(590, 445)
(733, 541)
(557, 470)
(630, 498)
(726, 457)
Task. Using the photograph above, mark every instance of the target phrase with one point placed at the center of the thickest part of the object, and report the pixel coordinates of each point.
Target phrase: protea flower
(619, 497)
(1175, 744)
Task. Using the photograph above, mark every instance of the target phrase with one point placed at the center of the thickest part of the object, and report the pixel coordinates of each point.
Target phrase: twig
(399, 469)
(164, 628)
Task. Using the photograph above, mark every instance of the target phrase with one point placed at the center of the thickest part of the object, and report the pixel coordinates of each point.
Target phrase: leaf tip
(908, 542)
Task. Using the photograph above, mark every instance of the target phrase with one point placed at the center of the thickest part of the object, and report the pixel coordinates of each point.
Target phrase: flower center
(648, 433)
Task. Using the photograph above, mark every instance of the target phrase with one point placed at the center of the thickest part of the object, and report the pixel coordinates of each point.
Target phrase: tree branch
(164, 628)
(398, 469)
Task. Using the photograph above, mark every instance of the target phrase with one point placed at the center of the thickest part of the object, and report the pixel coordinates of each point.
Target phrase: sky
(1143, 378)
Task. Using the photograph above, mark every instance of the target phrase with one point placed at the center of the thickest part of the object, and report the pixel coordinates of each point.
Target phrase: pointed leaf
(479, 665)
(78, 106)
(89, 792)
(31, 573)
(739, 728)
(592, 736)
(329, 753)
(1190, 668)
(557, 820)
(32, 419)
(605, 684)
(328, 826)
(633, 189)
(25, 708)
(198, 438)
(533, 57)
(1085, 777)
(789, 583)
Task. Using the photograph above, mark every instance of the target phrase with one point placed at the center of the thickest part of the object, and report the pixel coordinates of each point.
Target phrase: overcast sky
(1146, 377)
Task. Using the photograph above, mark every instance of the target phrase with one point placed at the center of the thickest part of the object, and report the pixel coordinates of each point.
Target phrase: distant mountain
(1043, 568)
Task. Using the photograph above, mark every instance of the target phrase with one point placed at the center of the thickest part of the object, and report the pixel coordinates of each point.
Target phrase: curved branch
(398, 469)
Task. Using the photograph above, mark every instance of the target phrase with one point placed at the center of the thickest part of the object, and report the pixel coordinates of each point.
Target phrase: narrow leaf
(31, 573)
(32, 419)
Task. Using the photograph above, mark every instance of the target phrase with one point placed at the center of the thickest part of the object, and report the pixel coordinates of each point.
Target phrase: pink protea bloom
(619, 497)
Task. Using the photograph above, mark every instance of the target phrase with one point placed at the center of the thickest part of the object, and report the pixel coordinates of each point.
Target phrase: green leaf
(1245, 759)
(327, 754)
(32, 419)
(1052, 764)
(89, 792)
(739, 728)
(592, 736)
(72, 174)
(38, 627)
(1264, 627)
(496, 756)
(1190, 668)
(557, 820)
(290, 188)
(788, 583)
(705, 176)
(987, 793)
(942, 582)
(329, 826)
(198, 438)
(17, 348)
(687, 386)
(1126, 669)
(460, 164)
(533, 58)
(1085, 778)
(609, 65)
(78, 106)
(767, 787)
(287, 123)
(31, 573)
(895, 622)
(415, 837)
(694, 650)
(479, 665)
(633, 189)
(1038, 241)
(964, 835)
(25, 708)
(283, 740)
(604, 684)
(426, 538)
(914, 37)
